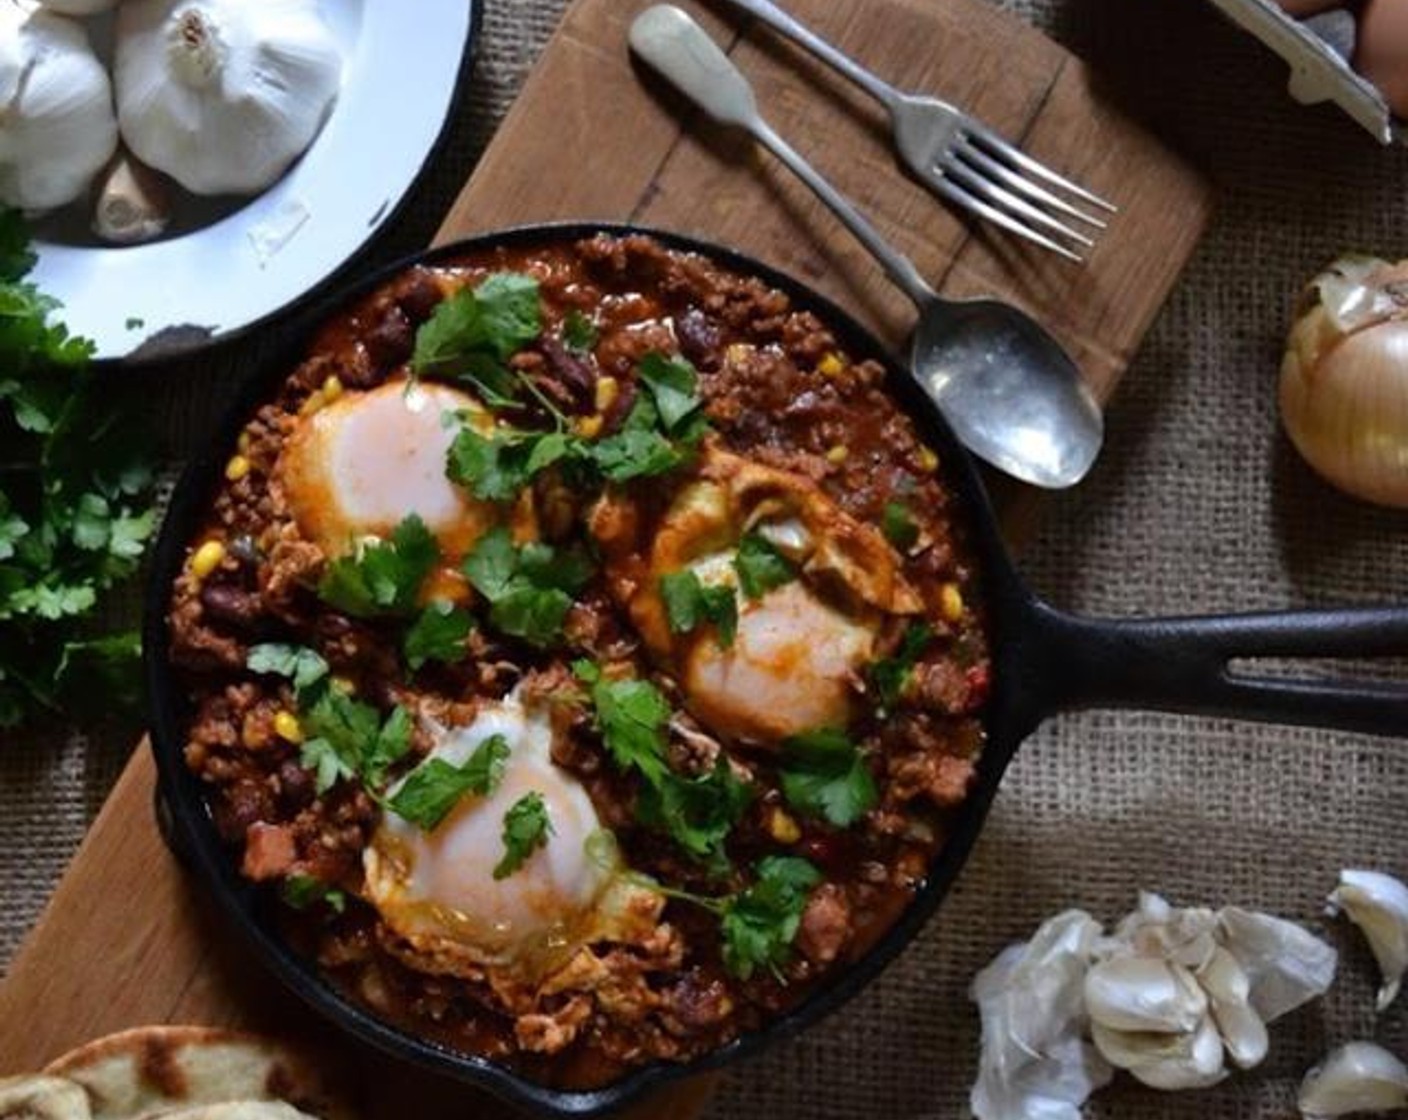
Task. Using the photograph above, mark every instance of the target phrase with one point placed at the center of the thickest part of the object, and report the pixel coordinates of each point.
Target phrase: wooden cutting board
(127, 938)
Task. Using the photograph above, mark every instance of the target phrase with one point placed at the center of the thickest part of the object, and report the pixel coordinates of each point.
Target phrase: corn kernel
(951, 602)
(783, 827)
(207, 558)
(838, 454)
(343, 685)
(243, 443)
(236, 468)
(332, 389)
(312, 403)
(287, 728)
(928, 461)
(607, 390)
(830, 365)
(589, 427)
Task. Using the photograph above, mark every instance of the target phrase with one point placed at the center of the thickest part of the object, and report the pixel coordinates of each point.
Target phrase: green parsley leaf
(510, 311)
(579, 333)
(760, 566)
(382, 577)
(760, 924)
(392, 743)
(302, 891)
(303, 666)
(326, 763)
(348, 740)
(632, 715)
(438, 634)
(530, 590)
(674, 385)
(824, 775)
(689, 604)
(889, 676)
(698, 813)
(476, 329)
(435, 787)
(526, 829)
(16, 256)
(497, 467)
(897, 523)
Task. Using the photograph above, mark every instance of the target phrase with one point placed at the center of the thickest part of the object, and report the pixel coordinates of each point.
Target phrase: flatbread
(147, 1072)
(35, 1096)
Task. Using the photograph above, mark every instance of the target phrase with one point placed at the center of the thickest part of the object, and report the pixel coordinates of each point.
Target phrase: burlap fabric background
(1198, 505)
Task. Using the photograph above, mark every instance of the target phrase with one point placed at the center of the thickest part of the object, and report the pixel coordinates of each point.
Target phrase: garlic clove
(1285, 965)
(1229, 990)
(1378, 905)
(1143, 994)
(222, 95)
(1184, 934)
(1165, 1060)
(133, 203)
(56, 120)
(1358, 1077)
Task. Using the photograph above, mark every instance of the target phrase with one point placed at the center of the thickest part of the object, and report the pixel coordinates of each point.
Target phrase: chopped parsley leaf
(302, 891)
(824, 775)
(674, 386)
(529, 589)
(579, 333)
(760, 923)
(698, 813)
(638, 449)
(474, 332)
(890, 675)
(760, 566)
(526, 829)
(498, 466)
(382, 577)
(435, 787)
(632, 715)
(303, 666)
(897, 523)
(347, 739)
(438, 634)
(689, 604)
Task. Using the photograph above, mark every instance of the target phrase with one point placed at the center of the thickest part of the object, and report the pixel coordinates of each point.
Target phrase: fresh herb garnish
(529, 589)
(434, 787)
(497, 466)
(382, 577)
(438, 634)
(698, 813)
(760, 924)
(674, 386)
(824, 775)
(526, 829)
(579, 333)
(890, 675)
(347, 739)
(689, 604)
(75, 507)
(472, 334)
(303, 666)
(632, 715)
(760, 566)
(898, 525)
(302, 891)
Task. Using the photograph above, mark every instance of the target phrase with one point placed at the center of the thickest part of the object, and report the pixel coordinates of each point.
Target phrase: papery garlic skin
(1035, 1063)
(57, 127)
(1286, 966)
(221, 95)
(1378, 905)
(1358, 1077)
(1344, 378)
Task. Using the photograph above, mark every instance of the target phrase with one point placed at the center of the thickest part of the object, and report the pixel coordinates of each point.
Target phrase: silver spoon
(1006, 387)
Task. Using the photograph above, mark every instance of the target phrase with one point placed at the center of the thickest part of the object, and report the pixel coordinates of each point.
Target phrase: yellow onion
(1344, 378)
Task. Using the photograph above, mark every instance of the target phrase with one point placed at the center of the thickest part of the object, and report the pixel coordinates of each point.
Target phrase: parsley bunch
(75, 506)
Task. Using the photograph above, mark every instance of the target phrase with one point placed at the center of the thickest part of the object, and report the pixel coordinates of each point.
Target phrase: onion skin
(1344, 389)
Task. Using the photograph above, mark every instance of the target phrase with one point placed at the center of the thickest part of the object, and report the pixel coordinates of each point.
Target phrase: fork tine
(1020, 184)
(999, 196)
(999, 147)
(960, 197)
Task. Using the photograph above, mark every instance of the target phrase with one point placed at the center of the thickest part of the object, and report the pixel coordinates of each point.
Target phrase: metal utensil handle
(1183, 665)
(781, 22)
(670, 41)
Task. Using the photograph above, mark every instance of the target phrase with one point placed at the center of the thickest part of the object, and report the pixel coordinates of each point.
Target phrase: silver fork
(960, 158)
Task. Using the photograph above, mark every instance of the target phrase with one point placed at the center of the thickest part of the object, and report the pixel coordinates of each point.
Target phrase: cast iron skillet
(1043, 661)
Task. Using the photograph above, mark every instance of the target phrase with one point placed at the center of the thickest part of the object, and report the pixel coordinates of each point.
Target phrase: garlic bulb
(1378, 905)
(79, 7)
(223, 95)
(1358, 1077)
(132, 204)
(1344, 378)
(56, 120)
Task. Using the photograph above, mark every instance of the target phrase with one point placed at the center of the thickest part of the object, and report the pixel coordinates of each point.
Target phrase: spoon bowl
(1006, 387)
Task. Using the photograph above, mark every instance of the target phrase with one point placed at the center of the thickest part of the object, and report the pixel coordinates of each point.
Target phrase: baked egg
(364, 461)
(799, 646)
(436, 889)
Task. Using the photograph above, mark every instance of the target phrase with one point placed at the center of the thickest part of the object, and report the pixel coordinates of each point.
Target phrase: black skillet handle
(1183, 665)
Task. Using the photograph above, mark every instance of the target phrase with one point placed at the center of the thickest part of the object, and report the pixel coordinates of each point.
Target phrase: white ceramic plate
(402, 64)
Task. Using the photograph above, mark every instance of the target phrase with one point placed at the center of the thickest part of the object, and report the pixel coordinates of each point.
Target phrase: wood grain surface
(127, 938)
